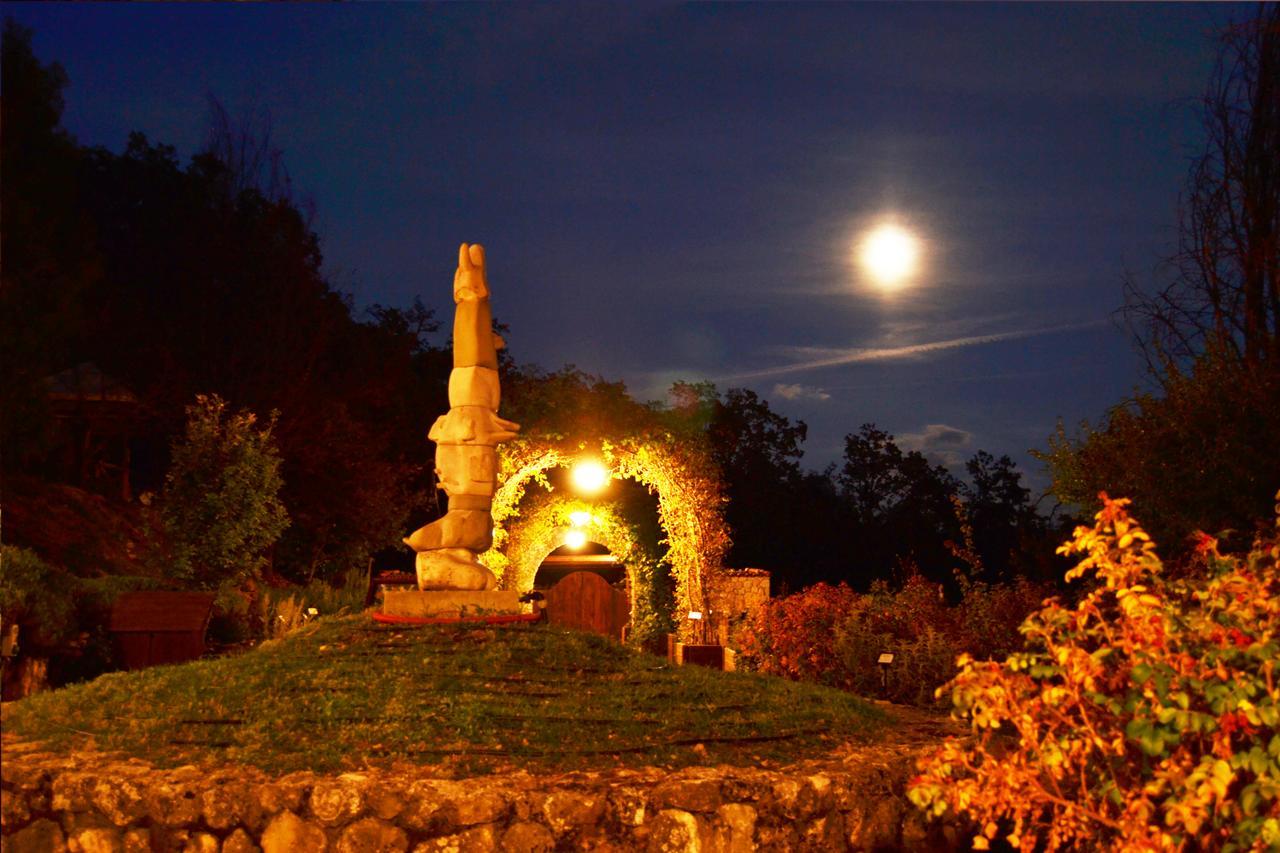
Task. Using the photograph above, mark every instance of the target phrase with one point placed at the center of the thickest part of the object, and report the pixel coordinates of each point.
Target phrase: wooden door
(585, 601)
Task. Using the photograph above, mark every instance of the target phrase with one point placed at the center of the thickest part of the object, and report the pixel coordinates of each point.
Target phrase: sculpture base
(450, 603)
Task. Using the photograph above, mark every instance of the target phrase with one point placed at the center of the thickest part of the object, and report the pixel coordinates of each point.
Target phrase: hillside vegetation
(349, 692)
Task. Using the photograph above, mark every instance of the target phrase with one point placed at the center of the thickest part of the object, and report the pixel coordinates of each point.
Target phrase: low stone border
(92, 802)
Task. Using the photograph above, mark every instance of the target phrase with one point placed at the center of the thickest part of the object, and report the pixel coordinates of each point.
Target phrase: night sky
(674, 192)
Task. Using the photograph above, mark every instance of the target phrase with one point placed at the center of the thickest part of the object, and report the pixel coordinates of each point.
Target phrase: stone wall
(734, 595)
(91, 802)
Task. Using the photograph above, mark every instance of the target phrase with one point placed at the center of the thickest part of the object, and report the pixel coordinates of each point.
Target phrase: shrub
(832, 635)
(792, 636)
(282, 609)
(38, 597)
(220, 506)
(1146, 717)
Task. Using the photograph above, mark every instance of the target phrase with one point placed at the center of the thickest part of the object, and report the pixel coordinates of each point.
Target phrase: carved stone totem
(466, 442)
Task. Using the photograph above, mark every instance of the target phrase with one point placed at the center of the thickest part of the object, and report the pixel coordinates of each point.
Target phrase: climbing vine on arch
(676, 469)
(544, 524)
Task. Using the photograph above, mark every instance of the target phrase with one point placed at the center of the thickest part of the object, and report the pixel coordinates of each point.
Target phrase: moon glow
(889, 255)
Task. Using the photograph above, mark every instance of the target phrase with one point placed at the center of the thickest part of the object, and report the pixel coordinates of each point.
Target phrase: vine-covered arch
(680, 474)
(544, 525)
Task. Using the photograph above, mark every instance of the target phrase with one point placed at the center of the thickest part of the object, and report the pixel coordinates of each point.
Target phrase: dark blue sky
(673, 192)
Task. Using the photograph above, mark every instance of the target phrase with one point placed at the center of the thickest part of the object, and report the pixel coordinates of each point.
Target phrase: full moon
(890, 255)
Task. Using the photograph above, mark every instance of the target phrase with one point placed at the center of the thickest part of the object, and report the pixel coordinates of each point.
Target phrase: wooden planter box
(701, 654)
(152, 628)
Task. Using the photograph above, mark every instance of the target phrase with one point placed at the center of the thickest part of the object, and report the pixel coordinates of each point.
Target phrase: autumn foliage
(1146, 717)
(834, 636)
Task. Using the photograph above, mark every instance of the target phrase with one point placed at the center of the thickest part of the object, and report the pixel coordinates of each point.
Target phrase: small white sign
(695, 614)
(886, 658)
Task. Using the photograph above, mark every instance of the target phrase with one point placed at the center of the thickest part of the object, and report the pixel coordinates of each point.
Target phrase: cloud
(939, 443)
(800, 392)
(830, 357)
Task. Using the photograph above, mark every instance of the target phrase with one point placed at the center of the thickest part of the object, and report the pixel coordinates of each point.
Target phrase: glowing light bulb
(589, 477)
(575, 539)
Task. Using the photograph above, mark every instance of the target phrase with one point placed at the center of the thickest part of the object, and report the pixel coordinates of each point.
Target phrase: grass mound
(348, 692)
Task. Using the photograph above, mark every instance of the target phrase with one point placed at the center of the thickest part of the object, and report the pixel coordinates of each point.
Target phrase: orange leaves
(1147, 717)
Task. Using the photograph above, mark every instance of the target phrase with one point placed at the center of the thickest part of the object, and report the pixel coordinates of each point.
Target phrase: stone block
(100, 840)
(13, 808)
(453, 569)
(674, 831)
(239, 842)
(371, 835)
(223, 806)
(693, 795)
(201, 842)
(336, 802)
(43, 836)
(467, 469)
(121, 800)
(734, 829)
(442, 604)
(528, 837)
(138, 840)
(458, 528)
(474, 343)
(474, 386)
(573, 812)
(472, 425)
(288, 833)
(478, 839)
(173, 803)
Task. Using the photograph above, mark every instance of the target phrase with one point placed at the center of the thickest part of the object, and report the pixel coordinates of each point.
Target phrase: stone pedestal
(451, 603)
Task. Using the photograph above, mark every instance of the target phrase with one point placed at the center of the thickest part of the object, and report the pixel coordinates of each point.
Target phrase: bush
(1146, 717)
(220, 505)
(834, 636)
(282, 609)
(38, 597)
(792, 636)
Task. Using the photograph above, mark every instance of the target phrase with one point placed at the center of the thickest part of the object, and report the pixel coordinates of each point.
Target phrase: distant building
(95, 420)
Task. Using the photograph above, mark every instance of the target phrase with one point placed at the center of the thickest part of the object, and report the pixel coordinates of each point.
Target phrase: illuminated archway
(679, 473)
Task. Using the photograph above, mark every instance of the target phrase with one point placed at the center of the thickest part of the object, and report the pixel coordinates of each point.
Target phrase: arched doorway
(570, 418)
(588, 557)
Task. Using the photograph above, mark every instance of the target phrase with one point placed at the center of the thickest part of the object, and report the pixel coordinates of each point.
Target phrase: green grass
(348, 692)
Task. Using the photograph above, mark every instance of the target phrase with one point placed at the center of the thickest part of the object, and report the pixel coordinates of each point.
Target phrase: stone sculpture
(466, 442)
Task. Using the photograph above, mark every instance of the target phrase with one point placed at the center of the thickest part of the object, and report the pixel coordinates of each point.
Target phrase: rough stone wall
(90, 802)
(734, 595)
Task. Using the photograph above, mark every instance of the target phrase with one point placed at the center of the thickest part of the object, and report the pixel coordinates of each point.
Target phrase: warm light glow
(890, 255)
(580, 518)
(589, 477)
(575, 539)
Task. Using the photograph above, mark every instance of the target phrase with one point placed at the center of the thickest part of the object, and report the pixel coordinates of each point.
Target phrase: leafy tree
(1200, 457)
(220, 506)
(1008, 532)
(758, 452)
(782, 518)
(49, 260)
(1200, 453)
(900, 503)
(1224, 295)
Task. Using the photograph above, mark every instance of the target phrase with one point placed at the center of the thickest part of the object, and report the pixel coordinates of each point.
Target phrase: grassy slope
(347, 692)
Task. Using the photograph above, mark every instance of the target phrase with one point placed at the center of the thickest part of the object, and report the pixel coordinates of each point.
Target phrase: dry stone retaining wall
(89, 802)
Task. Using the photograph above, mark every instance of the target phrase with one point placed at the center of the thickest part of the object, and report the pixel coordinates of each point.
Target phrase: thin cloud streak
(856, 356)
